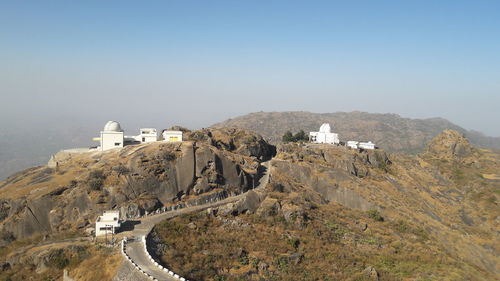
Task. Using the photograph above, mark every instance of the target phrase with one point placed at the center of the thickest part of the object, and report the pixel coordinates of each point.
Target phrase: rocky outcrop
(329, 183)
(136, 180)
(235, 140)
(450, 144)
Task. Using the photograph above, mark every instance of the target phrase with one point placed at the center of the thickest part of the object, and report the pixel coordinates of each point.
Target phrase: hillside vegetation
(389, 131)
(331, 213)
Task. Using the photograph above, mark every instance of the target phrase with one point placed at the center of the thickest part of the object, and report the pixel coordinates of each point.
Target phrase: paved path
(135, 248)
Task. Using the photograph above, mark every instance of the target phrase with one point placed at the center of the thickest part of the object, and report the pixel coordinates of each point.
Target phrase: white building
(145, 135)
(324, 135)
(111, 136)
(353, 144)
(361, 145)
(172, 136)
(367, 145)
(108, 223)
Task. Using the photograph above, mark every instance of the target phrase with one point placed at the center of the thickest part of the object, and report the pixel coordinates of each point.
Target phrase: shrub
(57, 259)
(375, 215)
(121, 170)
(244, 260)
(96, 183)
(96, 179)
(96, 174)
(168, 156)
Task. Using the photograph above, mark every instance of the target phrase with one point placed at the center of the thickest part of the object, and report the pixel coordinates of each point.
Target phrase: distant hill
(389, 131)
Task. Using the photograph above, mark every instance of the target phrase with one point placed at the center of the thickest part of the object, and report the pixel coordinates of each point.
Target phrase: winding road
(135, 247)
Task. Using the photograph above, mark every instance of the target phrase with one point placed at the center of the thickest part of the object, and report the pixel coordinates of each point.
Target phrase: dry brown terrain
(338, 214)
(389, 131)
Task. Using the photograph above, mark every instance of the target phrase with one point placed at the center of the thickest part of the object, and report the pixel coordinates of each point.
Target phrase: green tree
(288, 137)
(301, 136)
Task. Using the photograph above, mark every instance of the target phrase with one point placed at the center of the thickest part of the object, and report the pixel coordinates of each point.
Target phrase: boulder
(268, 208)
(371, 273)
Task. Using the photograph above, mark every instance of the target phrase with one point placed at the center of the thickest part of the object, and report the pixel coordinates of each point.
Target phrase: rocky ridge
(388, 216)
(44, 203)
(389, 131)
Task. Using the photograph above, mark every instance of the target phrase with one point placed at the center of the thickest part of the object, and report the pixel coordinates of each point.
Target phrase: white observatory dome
(325, 128)
(112, 126)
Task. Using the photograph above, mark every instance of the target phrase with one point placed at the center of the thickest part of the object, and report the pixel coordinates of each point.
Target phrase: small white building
(145, 135)
(108, 223)
(172, 136)
(324, 135)
(367, 145)
(353, 144)
(148, 135)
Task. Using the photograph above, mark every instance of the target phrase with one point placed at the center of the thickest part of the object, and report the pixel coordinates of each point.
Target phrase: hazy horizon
(195, 63)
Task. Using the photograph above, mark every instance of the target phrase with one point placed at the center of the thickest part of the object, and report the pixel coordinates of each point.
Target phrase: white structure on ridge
(145, 135)
(324, 135)
(108, 223)
(367, 145)
(111, 136)
(172, 136)
(353, 144)
(362, 145)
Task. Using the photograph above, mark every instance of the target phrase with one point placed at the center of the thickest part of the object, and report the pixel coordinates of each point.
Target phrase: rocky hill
(328, 213)
(331, 213)
(389, 131)
(42, 204)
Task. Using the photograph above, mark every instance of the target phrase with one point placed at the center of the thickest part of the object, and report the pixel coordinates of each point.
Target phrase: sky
(195, 63)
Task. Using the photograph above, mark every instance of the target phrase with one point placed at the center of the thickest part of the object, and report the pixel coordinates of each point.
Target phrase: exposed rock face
(450, 144)
(328, 170)
(236, 140)
(135, 180)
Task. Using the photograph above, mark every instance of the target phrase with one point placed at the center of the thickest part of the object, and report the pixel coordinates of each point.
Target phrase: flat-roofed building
(172, 136)
(108, 223)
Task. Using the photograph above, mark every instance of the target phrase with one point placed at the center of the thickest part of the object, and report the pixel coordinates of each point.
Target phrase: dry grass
(333, 245)
(102, 265)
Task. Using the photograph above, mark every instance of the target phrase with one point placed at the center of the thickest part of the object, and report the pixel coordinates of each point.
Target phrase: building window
(117, 144)
(143, 139)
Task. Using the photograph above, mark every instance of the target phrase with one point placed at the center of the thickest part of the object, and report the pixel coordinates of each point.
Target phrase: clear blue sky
(198, 62)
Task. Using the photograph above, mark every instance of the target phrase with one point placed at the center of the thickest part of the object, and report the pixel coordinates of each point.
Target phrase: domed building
(111, 136)
(112, 126)
(324, 135)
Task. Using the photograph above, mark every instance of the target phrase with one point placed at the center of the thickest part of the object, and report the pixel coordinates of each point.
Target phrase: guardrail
(123, 249)
(170, 272)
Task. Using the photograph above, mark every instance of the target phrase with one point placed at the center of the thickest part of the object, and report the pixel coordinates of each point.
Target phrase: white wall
(110, 140)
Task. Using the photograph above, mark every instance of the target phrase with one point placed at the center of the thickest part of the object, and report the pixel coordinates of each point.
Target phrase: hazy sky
(198, 62)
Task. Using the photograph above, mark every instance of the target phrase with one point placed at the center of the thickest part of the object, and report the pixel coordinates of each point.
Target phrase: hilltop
(389, 131)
